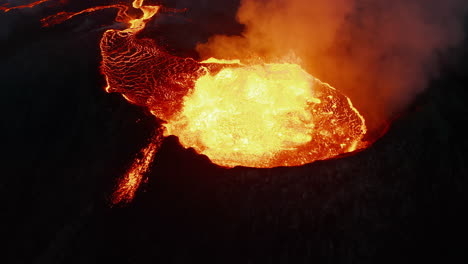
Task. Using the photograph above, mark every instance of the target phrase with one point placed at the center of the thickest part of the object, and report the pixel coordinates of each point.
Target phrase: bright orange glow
(260, 115)
(218, 61)
(5, 8)
(266, 116)
(130, 182)
(148, 12)
(257, 115)
(63, 16)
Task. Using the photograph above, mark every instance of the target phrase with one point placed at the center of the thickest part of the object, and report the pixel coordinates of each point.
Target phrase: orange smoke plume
(380, 53)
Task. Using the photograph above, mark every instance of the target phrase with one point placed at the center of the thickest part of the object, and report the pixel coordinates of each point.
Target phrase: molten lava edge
(266, 116)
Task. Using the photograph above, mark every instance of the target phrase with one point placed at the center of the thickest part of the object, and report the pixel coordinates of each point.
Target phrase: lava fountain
(259, 114)
(266, 115)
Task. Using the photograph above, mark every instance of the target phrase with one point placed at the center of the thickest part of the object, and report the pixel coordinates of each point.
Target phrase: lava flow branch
(259, 114)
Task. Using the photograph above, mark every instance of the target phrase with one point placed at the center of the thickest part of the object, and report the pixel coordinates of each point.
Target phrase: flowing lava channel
(256, 115)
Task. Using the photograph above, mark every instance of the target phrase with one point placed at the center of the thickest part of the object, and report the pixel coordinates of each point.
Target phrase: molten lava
(261, 115)
(129, 183)
(257, 115)
(265, 116)
(5, 8)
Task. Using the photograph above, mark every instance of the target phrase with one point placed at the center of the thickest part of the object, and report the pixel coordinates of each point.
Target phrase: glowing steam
(380, 53)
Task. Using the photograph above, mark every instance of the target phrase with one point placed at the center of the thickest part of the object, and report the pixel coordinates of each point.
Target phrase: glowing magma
(265, 116)
(262, 115)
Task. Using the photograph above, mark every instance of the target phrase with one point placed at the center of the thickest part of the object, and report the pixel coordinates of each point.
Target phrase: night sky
(66, 142)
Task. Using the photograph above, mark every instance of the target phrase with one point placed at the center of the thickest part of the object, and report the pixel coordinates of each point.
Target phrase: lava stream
(129, 183)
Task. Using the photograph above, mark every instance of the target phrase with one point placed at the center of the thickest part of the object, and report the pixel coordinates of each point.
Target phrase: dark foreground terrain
(66, 142)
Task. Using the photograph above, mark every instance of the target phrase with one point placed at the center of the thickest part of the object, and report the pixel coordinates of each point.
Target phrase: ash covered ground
(66, 142)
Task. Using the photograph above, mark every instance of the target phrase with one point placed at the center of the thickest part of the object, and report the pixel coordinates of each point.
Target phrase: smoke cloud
(380, 53)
